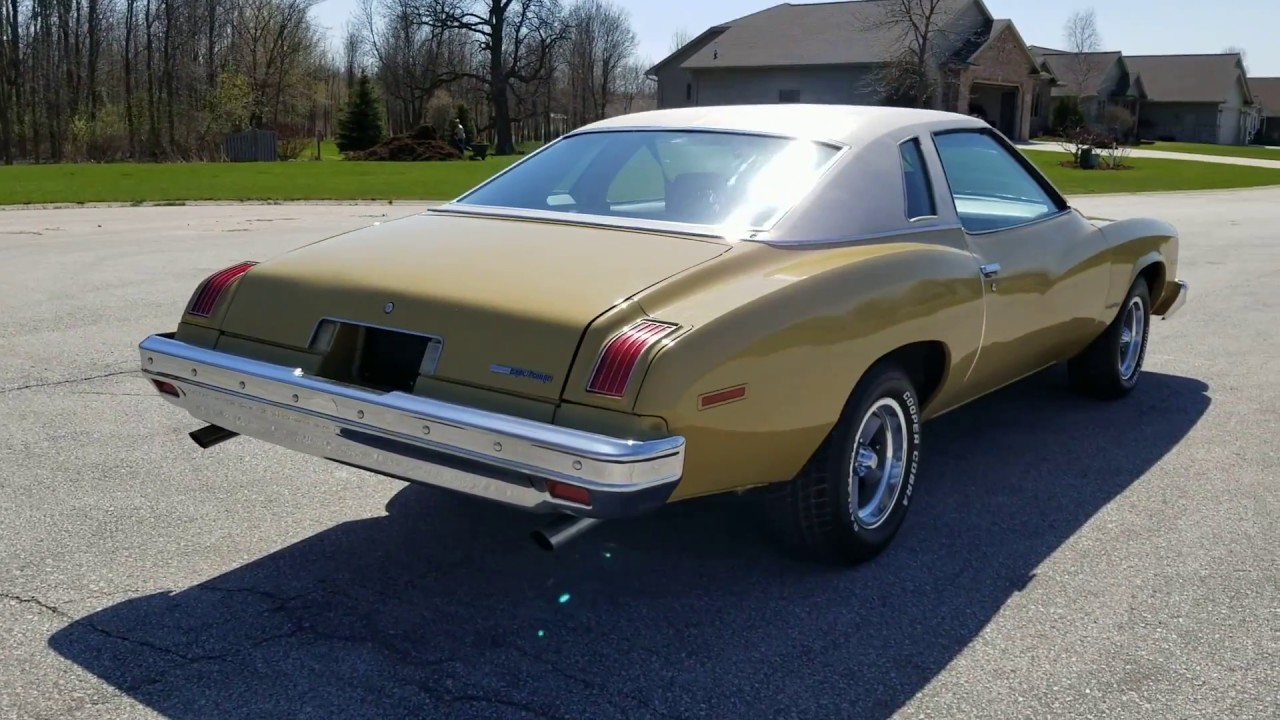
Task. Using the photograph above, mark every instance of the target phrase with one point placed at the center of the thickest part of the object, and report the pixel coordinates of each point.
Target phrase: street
(1063, 557)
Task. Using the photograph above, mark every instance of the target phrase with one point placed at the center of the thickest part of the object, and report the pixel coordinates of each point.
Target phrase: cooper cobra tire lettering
(818, 512)
(914, 411)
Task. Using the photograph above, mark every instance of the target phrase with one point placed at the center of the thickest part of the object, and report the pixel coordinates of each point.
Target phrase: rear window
(692, 177)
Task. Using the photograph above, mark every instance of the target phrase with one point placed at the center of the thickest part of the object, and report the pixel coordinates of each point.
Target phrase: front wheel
(851, 497)
(1110, 367)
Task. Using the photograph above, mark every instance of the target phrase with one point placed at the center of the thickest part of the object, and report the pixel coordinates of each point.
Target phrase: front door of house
(1009, 113)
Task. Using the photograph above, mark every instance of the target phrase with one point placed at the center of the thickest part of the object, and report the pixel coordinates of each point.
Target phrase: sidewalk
(1160, 154)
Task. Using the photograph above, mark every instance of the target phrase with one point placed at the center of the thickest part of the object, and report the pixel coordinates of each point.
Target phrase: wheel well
(1154, 275)
(925, 363)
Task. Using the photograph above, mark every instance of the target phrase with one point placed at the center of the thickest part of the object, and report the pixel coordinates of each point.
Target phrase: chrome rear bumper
(1179, 299)
(488, 455)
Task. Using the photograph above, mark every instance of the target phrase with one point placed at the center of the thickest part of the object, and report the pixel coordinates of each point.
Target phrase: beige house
(838, 52)
(1096, 82)
(1184, 98)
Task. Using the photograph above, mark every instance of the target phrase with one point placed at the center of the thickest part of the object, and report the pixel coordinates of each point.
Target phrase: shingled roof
(830, 33)
(1266, 92)
(1186, 78)
(1075, 69)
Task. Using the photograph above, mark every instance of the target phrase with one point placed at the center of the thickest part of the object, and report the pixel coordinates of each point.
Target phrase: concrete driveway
(1064, 558)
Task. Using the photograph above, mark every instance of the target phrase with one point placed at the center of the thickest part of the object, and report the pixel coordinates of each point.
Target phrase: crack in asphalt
(298, 627)
(591, 683)
(72, 381)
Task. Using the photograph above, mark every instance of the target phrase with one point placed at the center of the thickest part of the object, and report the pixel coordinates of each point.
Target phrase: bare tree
(1083, 40)
(413, 59)
(601, 42)
(1237, 50)
(166, 79)
(1081, 32)
(636, 91)
(921, 32)
(679, 39)
(516, 38)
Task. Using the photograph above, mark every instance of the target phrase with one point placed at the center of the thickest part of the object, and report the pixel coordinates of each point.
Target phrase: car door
(1041, 262)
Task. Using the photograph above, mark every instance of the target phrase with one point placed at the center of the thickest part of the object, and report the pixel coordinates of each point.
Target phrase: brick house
(836, 52)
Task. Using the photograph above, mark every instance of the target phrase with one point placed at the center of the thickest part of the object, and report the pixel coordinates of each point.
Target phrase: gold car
(678, 303)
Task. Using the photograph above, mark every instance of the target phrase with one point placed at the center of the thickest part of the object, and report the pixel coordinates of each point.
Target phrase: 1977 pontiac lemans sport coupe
(678, 303)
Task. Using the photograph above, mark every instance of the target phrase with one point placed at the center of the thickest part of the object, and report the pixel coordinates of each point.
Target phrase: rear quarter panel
(1136, 245)
(799, 327)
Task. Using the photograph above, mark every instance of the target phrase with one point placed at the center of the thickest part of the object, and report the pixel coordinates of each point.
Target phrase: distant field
(334, 179)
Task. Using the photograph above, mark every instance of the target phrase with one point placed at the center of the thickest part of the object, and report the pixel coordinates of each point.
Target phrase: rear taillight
(206, 297)
(620, 356)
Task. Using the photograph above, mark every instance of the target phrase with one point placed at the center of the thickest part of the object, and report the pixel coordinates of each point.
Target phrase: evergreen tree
(360, 126)
(464, 116)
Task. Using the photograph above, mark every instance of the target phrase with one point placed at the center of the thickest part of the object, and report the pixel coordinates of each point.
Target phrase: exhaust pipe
(210, 435)
(561, 531)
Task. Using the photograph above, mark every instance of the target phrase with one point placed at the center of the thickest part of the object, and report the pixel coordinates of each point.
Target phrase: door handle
(990, 270)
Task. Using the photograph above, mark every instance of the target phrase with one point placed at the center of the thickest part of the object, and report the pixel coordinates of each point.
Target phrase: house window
(788, 96)
(916, 182)
(688, 91)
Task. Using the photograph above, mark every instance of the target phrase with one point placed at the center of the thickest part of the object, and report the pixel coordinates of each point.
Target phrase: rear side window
(915, 178)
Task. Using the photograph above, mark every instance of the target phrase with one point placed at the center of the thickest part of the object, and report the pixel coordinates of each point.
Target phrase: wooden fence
(250, 146)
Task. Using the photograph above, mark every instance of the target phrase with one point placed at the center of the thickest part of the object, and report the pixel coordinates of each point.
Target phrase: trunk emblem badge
(388, 308)
(541, 377)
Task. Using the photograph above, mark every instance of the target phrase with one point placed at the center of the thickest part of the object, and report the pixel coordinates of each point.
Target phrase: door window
(992, 190)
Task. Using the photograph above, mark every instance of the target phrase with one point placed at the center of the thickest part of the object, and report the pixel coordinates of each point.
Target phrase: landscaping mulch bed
(420, 145)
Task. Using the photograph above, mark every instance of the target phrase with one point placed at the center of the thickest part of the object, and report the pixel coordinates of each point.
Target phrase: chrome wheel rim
(1133, 326)
(878, 464)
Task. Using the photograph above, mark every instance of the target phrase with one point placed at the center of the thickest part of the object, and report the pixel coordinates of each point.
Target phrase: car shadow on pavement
(444, 608)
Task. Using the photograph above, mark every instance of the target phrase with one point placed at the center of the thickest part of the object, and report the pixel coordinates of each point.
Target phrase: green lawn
(1151, 175)
(301, 180)
(1256, 152)
(332, 179)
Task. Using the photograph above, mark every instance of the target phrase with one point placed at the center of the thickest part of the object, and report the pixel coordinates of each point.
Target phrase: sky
(1135, 27)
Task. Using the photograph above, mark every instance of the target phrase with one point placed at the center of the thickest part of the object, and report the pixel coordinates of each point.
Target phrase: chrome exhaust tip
(561, 531)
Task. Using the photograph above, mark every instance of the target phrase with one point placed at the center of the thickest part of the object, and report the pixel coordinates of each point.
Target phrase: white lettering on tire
(910, 402)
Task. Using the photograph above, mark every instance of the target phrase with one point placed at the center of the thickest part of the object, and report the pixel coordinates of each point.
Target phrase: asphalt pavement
(1063, 558)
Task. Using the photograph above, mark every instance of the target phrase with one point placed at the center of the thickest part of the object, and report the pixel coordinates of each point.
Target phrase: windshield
(683, 176)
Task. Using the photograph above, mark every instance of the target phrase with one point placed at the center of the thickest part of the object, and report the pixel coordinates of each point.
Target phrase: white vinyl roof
(852, 125)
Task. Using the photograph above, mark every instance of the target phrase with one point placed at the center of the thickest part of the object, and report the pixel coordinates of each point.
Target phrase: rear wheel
(850, 499)
(1110, 367)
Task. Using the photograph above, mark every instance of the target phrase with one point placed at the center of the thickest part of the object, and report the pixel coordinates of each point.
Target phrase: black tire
(1099, 371)
(816, 512)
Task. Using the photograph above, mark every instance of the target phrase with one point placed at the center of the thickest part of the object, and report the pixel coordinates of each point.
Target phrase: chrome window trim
(863, 237)
(1019, 226)
(458, 207)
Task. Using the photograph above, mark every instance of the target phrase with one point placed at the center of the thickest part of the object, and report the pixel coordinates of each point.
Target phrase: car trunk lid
(509, 300)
